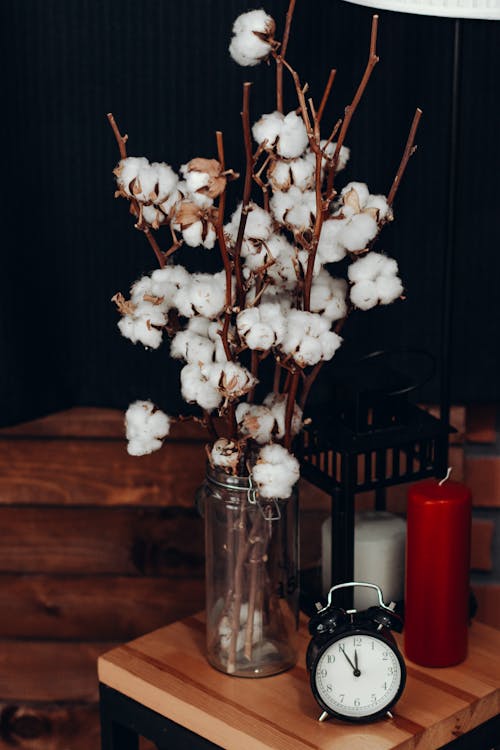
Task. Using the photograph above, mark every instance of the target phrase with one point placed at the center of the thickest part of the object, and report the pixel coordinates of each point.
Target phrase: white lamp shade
(486, 9)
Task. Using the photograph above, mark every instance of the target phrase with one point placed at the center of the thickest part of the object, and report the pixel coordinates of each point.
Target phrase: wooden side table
(160, 686)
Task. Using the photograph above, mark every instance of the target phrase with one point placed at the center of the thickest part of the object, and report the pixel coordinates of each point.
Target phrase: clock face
(358, 675)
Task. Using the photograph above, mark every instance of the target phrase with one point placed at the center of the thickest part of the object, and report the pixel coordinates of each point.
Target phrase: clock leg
(324, 716)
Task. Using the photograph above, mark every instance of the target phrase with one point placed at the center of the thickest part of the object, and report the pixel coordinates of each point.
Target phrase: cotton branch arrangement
(278, 294)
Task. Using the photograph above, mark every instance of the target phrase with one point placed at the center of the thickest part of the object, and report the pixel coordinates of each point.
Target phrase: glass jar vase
(252, 592)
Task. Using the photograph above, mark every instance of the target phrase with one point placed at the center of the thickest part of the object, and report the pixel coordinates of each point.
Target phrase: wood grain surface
(125, 541)
(94, 608)
(167, 671)
(39, 726)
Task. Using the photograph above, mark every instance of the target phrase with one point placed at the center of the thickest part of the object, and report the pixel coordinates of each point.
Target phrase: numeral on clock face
(358, 675)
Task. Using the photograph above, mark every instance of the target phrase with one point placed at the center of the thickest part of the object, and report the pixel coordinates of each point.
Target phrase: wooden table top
(167, 671)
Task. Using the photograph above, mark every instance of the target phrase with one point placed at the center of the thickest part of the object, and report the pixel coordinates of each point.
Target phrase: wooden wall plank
(482, 475)
(49, 727)
(488, 603)
(481, 544)
(49, 671)
(94, 608)
(481, 423)
(93, 472)
(101, 541)
(89, 422)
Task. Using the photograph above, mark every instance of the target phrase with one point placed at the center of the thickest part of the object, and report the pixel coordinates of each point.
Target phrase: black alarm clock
(356, 669)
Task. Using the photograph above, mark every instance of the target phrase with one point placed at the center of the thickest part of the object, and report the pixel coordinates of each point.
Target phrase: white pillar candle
(379, 556)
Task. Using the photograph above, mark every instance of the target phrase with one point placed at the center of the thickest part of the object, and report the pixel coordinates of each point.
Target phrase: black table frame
(124, 720)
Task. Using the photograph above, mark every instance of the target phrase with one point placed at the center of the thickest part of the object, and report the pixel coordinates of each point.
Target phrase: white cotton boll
(143, 447)
(167, 180)
(260, 337)
(256, 421)
(276, 403)
(388, 267)
(128, 170)
(330, 151)
(259, 223)
(193, 234)
(225, 454)
(141, 287)
(192, 347)
(145, 428)
(154, 314)
(358, 232)
(309, 352)
(330, 342)
(275, 472)
(208, 293)
(246, 319)
(330, 249)
(302, 214)
(379, 202)
(196, 389)
(281, 203)
(388, 288)
(280, 175)
(144, 187)
(152, 216)
(247, 46)
(201, 326)
(268, 128)
(183, 301)
(169, 206)
(210, 237)
(368, 267)
(303, 171)
(272, 314)
(364, 294)
(146, 334)
(328, 296)
(231, 378)
(292, 140)
(165, 282)
(201, 200)
(254, 20)
(195, 180)
(361, 190)
(294, 208)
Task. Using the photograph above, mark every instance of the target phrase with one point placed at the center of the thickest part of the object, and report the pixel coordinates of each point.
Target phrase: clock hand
(356, 667)
(355, 670)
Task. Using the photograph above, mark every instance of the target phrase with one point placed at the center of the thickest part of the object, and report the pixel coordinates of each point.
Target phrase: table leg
(117, 737)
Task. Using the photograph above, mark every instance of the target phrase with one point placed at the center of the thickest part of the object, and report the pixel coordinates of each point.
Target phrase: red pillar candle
(437, 573)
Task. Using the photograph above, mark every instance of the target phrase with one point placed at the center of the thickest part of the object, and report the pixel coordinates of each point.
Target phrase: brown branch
(349, 112)
(159, 254)
(247, 192)
(280, 58)
(407, 154)
(120, 139)
(135, 208)
(219, 229)
(290, 403)
(277, 377)
(326, 94)
(309, 382)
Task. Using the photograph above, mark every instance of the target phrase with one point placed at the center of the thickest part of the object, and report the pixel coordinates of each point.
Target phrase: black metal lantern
(372, 438)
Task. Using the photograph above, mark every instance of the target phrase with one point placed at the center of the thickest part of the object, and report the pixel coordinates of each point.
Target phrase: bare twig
(326, 94)
(290, 403)
(247, 192)
(281, 57)
(219, 228)
(134, 207)
(407, 154)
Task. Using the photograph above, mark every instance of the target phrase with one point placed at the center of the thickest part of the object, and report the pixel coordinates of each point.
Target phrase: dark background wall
(162, 67)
